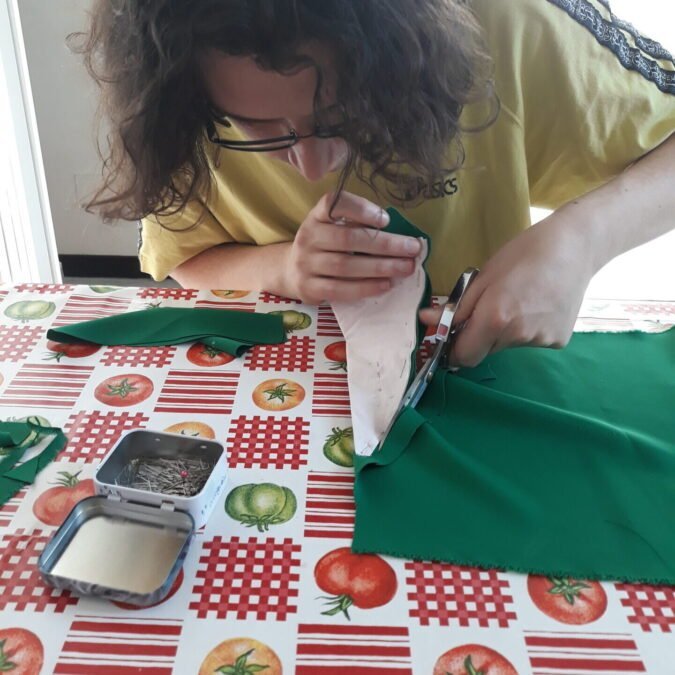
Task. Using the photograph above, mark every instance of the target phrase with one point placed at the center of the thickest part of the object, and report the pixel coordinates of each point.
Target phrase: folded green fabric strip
(551, 462)
(15, 475)
(226, 330)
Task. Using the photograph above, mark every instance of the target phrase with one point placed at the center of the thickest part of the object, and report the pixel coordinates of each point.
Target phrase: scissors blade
(444, 337)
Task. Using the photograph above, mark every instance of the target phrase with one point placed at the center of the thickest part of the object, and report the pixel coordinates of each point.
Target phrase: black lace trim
(610, 34)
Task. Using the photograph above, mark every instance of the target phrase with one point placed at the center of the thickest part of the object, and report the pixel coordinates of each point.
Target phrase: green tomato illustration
(339, 446)
(30, 310)
(104, 289)
(293, 320)
(261, 504)
(33, 437)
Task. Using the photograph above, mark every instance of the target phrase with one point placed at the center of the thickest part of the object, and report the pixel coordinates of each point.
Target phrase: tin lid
(119, 550)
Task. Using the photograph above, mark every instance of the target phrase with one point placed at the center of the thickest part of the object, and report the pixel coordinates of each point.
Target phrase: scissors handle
(446, 331)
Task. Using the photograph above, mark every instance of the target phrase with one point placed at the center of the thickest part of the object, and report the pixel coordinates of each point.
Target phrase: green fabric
(226, 330)
(543, 461)
(15, 475)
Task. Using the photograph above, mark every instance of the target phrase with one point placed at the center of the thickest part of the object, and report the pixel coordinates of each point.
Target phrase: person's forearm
(237, 267)
(632, 209)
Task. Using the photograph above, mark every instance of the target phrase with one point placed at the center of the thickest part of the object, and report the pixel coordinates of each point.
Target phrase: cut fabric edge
(517, 569)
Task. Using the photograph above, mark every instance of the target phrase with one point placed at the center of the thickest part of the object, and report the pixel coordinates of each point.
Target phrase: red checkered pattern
(16, 342)
(277, 299)
(46, 386)
(651, 607)
(296, 354)
(138, 356)
(331, 395)
(86, 308)
(8, 509)
(242, 578)
(127, 645)
(239, 306)
(425, 352)
(329, 507)
(268, 442)
(572, 652)
(167, 293)
(440, 592)
(92, 434)
(326, 324)
(338, 649)
(21, 586)
(191, 391)
(44, 288)
(665, 308)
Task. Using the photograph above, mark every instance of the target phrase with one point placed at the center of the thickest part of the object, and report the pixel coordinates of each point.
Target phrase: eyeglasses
(265, 144)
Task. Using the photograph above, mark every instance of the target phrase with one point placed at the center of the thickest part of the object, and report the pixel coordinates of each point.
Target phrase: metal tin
(127, 544)
(142, 442)
(118, 551)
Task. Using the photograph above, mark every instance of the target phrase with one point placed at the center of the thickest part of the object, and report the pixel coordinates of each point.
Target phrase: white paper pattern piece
(378, 377)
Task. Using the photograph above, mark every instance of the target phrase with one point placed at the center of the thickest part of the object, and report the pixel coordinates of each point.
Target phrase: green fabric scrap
(229, 331)
(15, 474)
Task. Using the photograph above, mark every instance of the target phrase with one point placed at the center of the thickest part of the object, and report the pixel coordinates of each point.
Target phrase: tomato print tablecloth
(269, 585)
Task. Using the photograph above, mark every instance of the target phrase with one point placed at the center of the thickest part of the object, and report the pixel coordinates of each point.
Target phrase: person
(260, 140)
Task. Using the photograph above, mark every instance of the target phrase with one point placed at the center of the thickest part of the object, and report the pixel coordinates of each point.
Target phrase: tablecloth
(252, 584)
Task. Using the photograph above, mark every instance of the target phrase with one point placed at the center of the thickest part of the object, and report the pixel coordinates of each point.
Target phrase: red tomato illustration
(362, 580)
(568, 600)
(54, 504)
(124, 390)
(21, 652)
(337, 352)
(203, 355)
(73, 351)
(473, 660)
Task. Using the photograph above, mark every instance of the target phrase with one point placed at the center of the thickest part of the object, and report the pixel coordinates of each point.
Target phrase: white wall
(65, 101)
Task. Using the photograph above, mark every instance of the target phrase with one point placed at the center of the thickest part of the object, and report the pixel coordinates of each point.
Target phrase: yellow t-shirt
(582, 97)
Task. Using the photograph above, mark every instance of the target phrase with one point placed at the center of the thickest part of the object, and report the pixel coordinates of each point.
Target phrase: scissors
(445, 336)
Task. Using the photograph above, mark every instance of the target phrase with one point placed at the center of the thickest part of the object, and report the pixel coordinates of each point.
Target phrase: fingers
(470, 347)
(351, 208)
(469, 300)
(345, 239)
(323, 263)
(344, 266)
(473, 342)
(318, 289)
(494, 327)
(430, 316)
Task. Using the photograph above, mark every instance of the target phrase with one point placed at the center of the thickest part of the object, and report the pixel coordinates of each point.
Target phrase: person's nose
(311, 157)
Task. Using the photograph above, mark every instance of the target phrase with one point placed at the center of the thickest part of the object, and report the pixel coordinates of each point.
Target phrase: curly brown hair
(405, 69)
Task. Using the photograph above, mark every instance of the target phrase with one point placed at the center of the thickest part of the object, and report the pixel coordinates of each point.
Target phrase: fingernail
(412, 245)
(381, 216)
(384, 286)
(403, 267)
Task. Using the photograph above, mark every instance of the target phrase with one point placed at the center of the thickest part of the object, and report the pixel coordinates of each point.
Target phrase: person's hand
(527, 294)
(321, 265)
